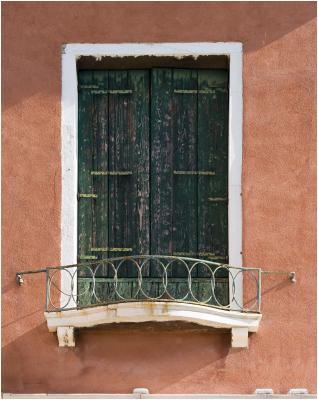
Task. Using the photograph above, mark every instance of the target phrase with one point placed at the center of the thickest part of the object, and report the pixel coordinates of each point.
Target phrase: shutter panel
(129, 152)
(92, 154)
(100, 163)
(120, 187)
(161, 162)
(185, 158)
(140, 153)
(159, 189)
(84, 166)
(184, 189)
(213, 156)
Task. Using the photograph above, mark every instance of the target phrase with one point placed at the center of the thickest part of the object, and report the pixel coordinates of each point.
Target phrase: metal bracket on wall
(19, 279)
(291, 275)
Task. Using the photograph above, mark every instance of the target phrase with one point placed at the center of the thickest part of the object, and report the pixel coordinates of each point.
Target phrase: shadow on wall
(165, 357)
(32, 54)
(113, 359)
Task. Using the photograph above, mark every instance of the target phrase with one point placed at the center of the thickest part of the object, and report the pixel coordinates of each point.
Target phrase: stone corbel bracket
(64, 322)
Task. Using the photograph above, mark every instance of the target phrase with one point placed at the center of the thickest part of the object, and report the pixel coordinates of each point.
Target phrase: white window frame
(69, 135)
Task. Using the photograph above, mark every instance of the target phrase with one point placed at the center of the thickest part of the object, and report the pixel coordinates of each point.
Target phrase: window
(65, 322)
(72, 56)
(153, 173)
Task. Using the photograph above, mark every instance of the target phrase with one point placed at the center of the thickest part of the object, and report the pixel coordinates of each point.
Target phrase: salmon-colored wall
(278, 200)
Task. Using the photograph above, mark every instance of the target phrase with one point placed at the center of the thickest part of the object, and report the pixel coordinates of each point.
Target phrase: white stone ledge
(149, 49)
(64, 322)
(154, 396)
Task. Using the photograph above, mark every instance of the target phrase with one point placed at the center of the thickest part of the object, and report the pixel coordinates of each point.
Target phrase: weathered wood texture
(129, 151)
(152, 287)
(157, 144)
(185, 158)
(161, 205)
(92, 155)
(113, 137)
(213, 156)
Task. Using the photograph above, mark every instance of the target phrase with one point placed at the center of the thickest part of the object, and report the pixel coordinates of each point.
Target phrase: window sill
(64, 322)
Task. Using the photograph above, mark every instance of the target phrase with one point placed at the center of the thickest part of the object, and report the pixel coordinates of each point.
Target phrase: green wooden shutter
(129, 151)
(153, 155)
(185, 159)
(113, 172)
(213, 156)
(92, 155)
(189, 139)
(161, 161)
(189, 158)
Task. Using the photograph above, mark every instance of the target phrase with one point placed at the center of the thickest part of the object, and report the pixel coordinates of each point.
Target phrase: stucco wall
(278, 200)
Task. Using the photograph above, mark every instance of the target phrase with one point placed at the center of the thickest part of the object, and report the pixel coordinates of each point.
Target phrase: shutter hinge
(103, 91)
(111, 173)
(87, 87)
(201, 91)
(87, 257)
(201, 254)
(86, 196)
(125, 91)
(95, 89)
(218, 199)
(209, 173)
(112, 249)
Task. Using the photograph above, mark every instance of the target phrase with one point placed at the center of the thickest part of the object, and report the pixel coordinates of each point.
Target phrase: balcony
(152, 288)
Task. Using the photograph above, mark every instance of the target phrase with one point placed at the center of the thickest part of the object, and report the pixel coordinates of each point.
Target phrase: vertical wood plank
(120, 132)
(85, 162)
(129, 151)
(184, 220)
(161, 163)
(213, 156)
(100, 163)
(140, 218)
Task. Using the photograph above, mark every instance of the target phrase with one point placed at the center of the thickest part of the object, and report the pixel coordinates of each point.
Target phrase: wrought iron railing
(151, 278)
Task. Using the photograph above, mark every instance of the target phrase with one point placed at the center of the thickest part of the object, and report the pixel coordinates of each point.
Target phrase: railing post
(47, 294)
(259, 297)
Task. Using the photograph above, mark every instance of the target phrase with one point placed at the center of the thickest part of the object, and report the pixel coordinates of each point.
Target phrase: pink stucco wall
(278, 199)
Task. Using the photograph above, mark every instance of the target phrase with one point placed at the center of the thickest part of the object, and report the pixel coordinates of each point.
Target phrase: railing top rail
(138, 257)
